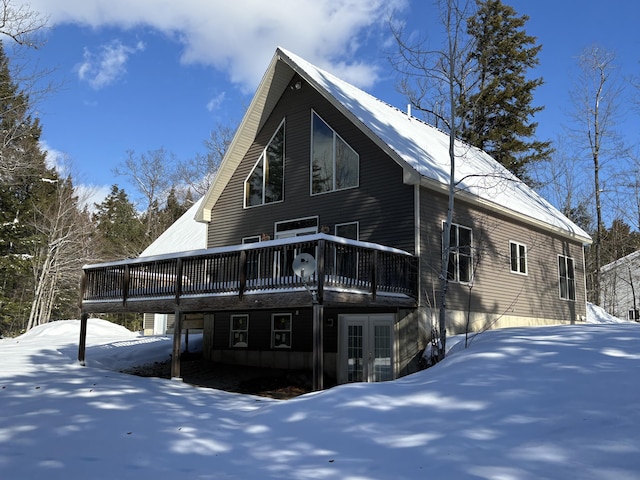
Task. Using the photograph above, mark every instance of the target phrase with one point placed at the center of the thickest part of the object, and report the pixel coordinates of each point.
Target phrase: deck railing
(264, 267)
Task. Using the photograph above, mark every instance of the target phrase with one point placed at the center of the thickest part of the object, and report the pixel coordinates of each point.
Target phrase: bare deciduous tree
(198, 173)
(595, 100)
(434, 80)
(57, 259)
(21, 23)
(151, 174)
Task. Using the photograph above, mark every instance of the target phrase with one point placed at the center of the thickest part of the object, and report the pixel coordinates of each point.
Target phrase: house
(620, 287)
(324, 240)
(184, 235)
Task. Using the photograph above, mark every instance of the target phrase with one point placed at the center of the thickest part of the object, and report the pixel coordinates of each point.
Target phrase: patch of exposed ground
(266, 382)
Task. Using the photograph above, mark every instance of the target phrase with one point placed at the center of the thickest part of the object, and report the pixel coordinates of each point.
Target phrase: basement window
(281, 330)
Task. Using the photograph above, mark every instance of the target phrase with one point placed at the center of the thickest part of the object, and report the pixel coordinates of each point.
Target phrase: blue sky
(143, 74)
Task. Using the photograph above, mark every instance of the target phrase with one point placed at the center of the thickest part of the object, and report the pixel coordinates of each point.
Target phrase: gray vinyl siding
(382, 204)
(496, 290)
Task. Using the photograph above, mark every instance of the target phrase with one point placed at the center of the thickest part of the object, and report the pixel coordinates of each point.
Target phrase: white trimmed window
(281, 330)
(634, 315)
(265, 183)
(518, 254)
(567, 277)
(334, 164)
(460, 268)
(239, 331)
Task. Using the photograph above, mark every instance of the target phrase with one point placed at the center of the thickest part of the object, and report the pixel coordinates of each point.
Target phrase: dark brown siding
(496, 290)
(382, 204)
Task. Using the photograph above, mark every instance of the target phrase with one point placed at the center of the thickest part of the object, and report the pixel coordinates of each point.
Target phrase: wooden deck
(251, 276)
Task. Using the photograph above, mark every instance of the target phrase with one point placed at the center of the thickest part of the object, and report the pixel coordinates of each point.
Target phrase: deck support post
(82, 344)
(177, 337)
(318, 347)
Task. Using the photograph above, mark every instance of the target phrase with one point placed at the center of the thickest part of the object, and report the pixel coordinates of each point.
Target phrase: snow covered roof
(421, 149)
(626, 260)
(184, 235)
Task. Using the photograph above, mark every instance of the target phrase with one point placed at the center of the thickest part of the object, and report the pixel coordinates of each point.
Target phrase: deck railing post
(178, 280)
(320, 270)
(125, 284)
(242, 273)
(374, 274)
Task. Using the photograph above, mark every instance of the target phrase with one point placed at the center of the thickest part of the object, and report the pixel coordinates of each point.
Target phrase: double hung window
(239, 331)
(566, 273)
(518, 253)
(460, 268)
(281, 330)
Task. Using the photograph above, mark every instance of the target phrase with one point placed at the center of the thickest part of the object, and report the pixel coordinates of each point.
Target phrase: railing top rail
(248, 246)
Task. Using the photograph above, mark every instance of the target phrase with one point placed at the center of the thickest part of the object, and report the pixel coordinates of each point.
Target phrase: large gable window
(265, 183)
(334, 164)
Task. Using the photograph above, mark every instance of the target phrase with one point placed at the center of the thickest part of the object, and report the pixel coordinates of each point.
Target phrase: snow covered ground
(519, 404)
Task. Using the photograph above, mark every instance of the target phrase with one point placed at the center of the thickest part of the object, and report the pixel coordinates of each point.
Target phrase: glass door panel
(355, 353)
(382, 367)
(366, 350)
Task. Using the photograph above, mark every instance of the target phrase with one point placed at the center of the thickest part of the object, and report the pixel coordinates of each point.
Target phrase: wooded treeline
(48, 227)
(48, 230)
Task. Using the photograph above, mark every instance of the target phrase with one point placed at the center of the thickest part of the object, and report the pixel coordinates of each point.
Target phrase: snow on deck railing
(262, 267)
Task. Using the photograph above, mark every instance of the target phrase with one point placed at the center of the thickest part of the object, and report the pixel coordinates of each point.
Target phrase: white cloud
(89, 195)
(239, 37)
(55, 159)
(216, 102)
(109, 64)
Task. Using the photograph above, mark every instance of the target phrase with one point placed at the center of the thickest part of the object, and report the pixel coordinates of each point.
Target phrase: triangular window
(334, 164)
(265, 183)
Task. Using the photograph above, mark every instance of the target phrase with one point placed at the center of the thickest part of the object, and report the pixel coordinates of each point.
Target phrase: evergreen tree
(498, 112)
(173, 210)
(121, 234)
(26, 186)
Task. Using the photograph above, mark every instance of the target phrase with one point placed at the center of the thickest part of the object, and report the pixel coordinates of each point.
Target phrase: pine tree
(498, 112)
(26, 184)
(121, 233)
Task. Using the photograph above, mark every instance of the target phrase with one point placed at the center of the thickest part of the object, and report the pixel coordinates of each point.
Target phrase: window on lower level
(239, 331)
(518, 257)
(634, 315)
(281, 330)
(567, 277)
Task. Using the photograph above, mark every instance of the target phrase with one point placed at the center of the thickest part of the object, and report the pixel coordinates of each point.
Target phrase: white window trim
(264, 156)
(231, 331)
(335, 134)
(357, 224)
(526, 258)
(273, 331)
(471, 266)
(568, 298)
(299, 231)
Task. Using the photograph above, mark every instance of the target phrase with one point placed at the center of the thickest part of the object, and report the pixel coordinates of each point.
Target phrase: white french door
(366, 348)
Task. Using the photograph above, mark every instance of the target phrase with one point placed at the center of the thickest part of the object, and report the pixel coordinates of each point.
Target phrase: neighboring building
(620, 287)
(318, 166)
(184, 235)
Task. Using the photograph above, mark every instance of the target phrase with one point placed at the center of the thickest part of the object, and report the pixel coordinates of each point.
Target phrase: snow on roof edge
(424, 148)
